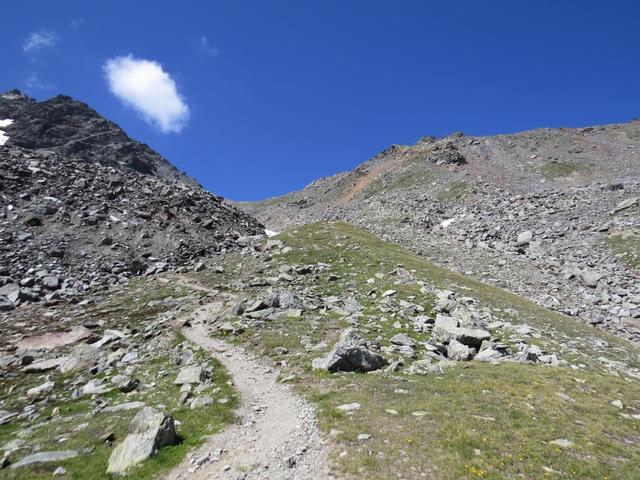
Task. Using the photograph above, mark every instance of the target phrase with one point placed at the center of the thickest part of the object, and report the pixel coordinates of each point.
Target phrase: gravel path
(276, 437)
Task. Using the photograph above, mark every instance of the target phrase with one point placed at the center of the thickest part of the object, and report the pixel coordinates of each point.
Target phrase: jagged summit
(76, 131)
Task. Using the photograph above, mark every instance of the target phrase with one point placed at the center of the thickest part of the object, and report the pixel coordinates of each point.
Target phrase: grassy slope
(477, 420)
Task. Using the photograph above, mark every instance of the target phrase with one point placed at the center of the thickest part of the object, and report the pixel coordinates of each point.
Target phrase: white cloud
(207, 48)
(40, 39)
(146, 87)
(76, 23)
(35, 82)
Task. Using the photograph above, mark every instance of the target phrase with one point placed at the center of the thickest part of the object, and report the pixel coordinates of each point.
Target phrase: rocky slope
(465, 380)
(552, 214)
(83, 206)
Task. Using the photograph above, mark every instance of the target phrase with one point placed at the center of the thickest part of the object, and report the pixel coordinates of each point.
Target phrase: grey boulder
(350, 354)
(459, 352)
(149, 431)
(5, 304)
(189, 375)
(472, 337)
(45, 457)
(444, 328)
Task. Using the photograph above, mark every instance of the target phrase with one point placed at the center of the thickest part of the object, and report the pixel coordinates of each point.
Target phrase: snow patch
(270, 233)
(11, 96)
(447, 222)
(4, 123)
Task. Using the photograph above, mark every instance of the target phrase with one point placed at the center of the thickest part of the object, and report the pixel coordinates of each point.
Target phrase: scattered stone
(201, 401)
(349, 407)
(123, 407)
(45, 457)
(403, 339)
(195, 374)
(628, 203)
(41, 390)
(562, 443)
(472, 337)
(444, 328)
(524, 238)
(44, 365)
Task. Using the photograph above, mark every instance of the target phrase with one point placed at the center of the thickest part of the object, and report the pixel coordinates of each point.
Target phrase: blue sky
(270, 95)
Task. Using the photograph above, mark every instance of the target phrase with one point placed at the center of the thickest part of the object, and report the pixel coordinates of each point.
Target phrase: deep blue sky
(302, 89)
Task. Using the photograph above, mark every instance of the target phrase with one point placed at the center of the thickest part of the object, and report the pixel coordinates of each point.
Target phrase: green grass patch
(409, 177)
(452, 191)
(553, 170)
(482, 421)
(626, 246)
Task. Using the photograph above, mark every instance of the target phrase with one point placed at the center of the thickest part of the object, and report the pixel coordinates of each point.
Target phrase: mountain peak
(73, 129)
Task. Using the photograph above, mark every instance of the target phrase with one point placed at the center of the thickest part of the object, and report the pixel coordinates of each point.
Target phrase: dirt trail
(276, 437)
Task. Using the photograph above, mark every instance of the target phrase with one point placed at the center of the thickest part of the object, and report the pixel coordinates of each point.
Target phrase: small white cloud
(207, 48)
(35, 82)
(147, 88)
(76, 23)
(40, 39)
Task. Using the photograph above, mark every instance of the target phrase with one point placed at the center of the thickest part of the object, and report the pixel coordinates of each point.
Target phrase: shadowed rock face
(82, 205)
(76, 131)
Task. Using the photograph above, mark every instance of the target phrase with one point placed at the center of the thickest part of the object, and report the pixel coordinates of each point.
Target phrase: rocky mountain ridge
(551, 214)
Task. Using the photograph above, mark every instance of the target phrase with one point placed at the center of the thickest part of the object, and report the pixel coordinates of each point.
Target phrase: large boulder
(288, 300)
(350, 354)
(472, 337)
(5, 304)
(195, 374)
(149, 431)
(459, 352)
(524, 238)
(444, 328)
(53, 340)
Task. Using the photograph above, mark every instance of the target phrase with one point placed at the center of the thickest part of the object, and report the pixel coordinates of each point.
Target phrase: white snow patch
(3, 136)
(270, 233)
(11, 96)
(447, 222)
